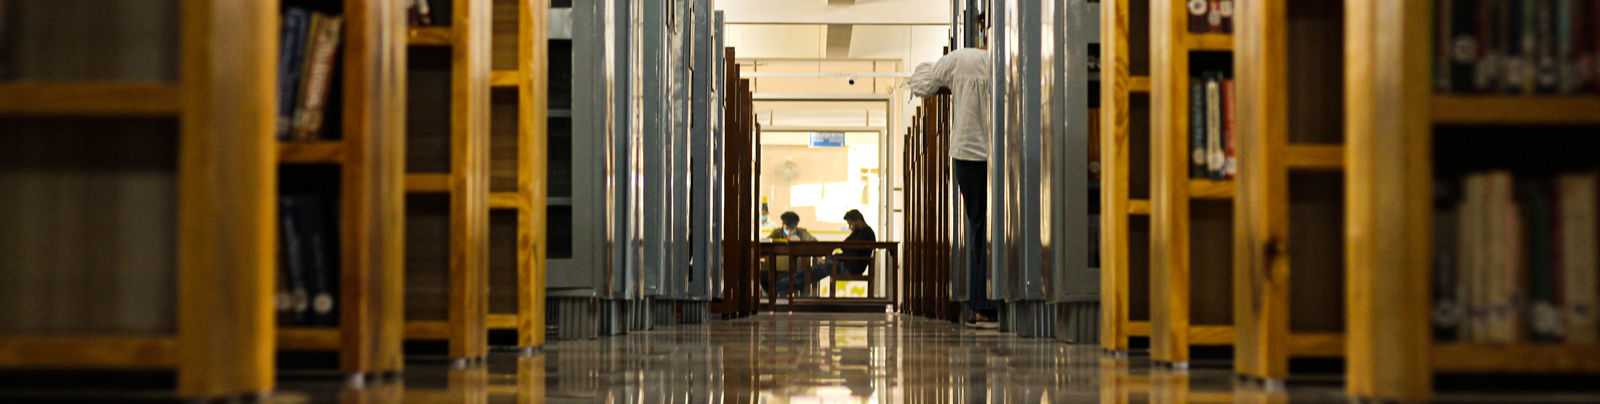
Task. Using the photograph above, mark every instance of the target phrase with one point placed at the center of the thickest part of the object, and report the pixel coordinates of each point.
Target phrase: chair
(865, 276)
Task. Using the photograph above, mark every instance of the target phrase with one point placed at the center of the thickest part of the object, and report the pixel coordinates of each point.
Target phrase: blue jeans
(972, 179)
(816, 273)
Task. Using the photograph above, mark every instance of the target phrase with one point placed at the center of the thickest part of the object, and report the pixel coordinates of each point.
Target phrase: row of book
(310, 42)
(1515, 258)
(1516, 46)
(307, 292)
(1211, 137)
(1210, 16)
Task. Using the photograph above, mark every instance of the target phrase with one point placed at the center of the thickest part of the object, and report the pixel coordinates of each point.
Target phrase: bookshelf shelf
(1125, 201)
(1139, 207)
(369, 188)
(322, 152)
(1211, 335)
(503, 322)
(447, 181)
(195, 295)
(430, 36)
(309, 338)
(1139, 84)
(99, 352)
(519, 141)
(1208, 42)
(1403, 145)
(427, 330)
(1210, 189)
(1316, 345)
(1315, 157)
(1519, 358)
(506, 201)
(102, 98)
(427, 183)
(1288, 268)
(505, 78)
(1515, 110)
(1191, 218)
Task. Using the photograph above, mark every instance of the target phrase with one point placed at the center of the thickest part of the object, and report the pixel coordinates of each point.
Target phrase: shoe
(988, 325)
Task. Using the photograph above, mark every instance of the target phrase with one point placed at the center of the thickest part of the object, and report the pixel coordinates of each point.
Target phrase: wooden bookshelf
(447, 180)
(1394, 119)
(1125, 183)
(370, 190)
(1288, 239)
(1191, 220)
(518, 177)
(149, 188)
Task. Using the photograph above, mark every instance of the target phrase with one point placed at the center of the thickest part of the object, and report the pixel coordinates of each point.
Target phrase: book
(418, 13)
(1460, 45)
(1229, 141)
(1543, 319)
(1094, 144)
(1577, 260)
(1213, 115)
(1224, 16)
(1490, 45)
(291, 58)
(318, 246)
(1547, 72)
(324, 45)
(292, 266)
(8, 26)
(1197, 127)
(1446, 308)
(1472, 260)
(1503, 282)
(1198, 11)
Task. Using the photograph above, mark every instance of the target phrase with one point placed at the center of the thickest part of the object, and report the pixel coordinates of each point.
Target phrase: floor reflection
(808, 358)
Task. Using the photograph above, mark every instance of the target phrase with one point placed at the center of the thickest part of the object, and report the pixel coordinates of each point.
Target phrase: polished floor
(823, 358)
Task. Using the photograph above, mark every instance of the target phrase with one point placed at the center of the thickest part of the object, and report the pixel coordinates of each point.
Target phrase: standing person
(966, 73)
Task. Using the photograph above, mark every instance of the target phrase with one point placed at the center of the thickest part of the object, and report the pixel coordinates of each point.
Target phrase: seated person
(791, 229)
(859, 231)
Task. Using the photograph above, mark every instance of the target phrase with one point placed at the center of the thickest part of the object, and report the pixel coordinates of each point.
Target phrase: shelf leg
(460, 363)
(1274, 385)
(356, 381)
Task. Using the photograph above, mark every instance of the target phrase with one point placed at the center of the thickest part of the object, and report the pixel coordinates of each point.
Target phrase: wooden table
(797, 249)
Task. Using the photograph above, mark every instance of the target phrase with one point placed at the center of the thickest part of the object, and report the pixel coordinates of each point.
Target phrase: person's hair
(854, 215)
(790, 219)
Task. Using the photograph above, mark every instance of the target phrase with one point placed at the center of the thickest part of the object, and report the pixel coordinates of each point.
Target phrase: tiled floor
(816, 358)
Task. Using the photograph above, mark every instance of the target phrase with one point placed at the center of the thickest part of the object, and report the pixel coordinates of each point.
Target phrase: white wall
(819, 12)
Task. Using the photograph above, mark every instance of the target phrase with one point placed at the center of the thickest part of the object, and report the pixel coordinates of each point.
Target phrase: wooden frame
(1283, 107)
(1391, 116)
(1173, 213)
(468, 184)
(929, 193)
(742, 139)
(1118, 86)
(528, 200)
(368, 337)
(224, 103)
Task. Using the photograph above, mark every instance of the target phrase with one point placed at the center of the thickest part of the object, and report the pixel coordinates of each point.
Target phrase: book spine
(1446, 309)
(1197, 15)
(320, 269)
(1229, 136)
(1214, 16)
(1566, 54)
(309, 125)
(1486, 69)
(8, 57)
(1473, 257)
(1215, 155)
(294, 250)
(1197, 127)
(1094, 144)
(1579, 263)
(290, 53)
(1543, 319)
(1462, 47)
(1443, 55)
(1547, 72)
(1225, 11)
(1530, 46)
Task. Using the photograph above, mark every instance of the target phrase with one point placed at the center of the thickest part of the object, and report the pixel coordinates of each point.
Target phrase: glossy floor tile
(817, 358)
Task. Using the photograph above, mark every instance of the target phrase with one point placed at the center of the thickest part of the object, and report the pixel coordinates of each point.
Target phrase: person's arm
(928, 78)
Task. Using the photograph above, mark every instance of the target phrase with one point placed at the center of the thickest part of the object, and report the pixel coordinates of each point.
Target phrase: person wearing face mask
(850, 261)
(791, 229)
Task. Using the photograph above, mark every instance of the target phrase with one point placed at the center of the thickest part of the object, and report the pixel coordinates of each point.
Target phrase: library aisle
(826, 358)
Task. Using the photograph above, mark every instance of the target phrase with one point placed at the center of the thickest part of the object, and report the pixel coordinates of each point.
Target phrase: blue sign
(827, 139)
